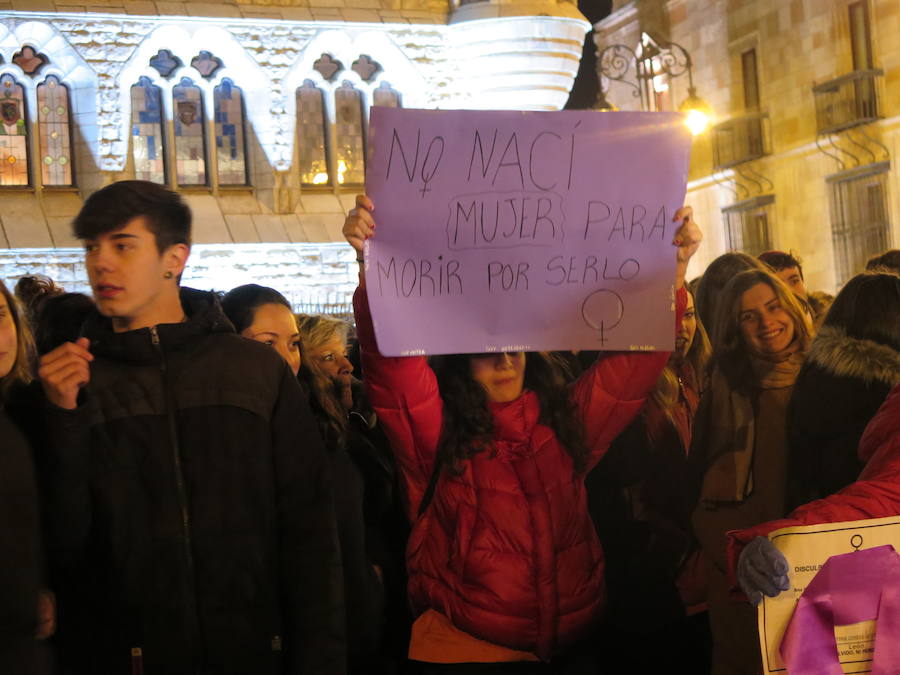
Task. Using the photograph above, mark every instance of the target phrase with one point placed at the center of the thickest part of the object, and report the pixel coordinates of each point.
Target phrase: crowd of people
(206, 483)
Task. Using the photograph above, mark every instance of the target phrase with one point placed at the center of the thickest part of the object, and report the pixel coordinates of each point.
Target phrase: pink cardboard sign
(503, 231)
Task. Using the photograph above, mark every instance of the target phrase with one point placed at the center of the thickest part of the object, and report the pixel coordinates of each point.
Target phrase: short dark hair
(110, 208)
(779, 260)
(868, 308)
(241, 303)
(59, 319)
(888, 261)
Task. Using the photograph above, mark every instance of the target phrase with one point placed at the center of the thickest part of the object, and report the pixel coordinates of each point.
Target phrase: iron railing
(847, 101)
(740, 139)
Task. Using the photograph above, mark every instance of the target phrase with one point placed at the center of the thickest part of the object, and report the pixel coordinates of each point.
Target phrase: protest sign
(806, 550)
(507, 231)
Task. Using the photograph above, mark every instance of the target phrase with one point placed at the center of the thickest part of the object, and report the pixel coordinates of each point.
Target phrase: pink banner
(850, 588)
(501, 231)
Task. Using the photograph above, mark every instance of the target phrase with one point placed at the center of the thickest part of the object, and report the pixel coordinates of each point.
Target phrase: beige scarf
(730, 425)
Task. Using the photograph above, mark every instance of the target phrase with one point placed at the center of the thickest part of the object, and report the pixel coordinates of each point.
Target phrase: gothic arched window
(229, 118)
(385, 96)
(13, 133)
(54, 129)
(147, 140)
(332, 117)
(349, 150)
(190, 133)
(311, 124)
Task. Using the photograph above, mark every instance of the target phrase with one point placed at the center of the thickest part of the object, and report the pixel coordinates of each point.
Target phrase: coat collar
(204, 316)
(515, 421)
(844, 356)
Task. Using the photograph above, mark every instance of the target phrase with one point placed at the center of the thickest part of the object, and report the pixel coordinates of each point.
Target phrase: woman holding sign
(504, 564)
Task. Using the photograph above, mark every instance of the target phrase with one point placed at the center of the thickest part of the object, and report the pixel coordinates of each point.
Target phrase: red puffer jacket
(506, 549)
(875, 494)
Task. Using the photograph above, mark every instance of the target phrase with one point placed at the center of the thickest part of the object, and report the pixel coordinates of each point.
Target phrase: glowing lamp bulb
(697, 121)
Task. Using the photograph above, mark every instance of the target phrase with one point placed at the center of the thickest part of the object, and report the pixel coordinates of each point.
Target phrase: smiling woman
(740, 440)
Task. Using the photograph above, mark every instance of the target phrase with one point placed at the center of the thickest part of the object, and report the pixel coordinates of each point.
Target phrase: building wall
(512, 54)
(798, 43)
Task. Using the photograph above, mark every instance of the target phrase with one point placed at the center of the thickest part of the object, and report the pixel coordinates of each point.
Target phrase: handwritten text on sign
(504, 231)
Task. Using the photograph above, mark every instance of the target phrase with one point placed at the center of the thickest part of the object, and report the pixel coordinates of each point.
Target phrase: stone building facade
(806, 103)
(487, 54)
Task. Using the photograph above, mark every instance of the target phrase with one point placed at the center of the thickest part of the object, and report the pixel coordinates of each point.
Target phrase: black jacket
(840, 387)
(188, 528)
(19, 551)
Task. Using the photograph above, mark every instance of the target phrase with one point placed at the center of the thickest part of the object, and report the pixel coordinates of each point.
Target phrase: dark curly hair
(468, 426)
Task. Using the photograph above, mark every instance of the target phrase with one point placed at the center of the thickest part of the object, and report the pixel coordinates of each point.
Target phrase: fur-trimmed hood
(837, 353)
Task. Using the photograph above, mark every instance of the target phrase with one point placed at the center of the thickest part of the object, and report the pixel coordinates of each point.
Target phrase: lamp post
(652, 61)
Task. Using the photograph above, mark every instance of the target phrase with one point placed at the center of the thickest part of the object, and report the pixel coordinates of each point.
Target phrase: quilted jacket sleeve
(876, 494)
(404, 393)
(612, 392)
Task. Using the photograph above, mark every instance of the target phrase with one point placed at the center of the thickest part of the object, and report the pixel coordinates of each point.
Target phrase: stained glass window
(147, 146)
(13, 133)
(385, 96)
(229, 116)
(349, 135)
(190, 134)
(164, 62)
(206, 64)
(29, 60)
(311, 135)
(366, 68)
(327, 67)
(55, 132)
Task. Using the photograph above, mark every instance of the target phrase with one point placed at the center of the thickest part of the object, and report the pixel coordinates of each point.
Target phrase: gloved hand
(762, 569)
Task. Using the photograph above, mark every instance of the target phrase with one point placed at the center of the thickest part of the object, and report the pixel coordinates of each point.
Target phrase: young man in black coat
(191, 524)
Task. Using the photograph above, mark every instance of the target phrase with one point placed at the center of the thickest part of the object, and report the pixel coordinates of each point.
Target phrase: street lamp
(651, 62)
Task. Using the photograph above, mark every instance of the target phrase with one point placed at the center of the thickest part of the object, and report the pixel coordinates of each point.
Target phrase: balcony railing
(847, 101)
(739, 140)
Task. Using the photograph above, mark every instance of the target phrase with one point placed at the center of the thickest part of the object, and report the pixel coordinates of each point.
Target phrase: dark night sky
(584, 91)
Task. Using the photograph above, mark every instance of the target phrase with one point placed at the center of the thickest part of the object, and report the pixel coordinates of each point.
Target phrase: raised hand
(64, 371)
(688, 236)
(359, 224)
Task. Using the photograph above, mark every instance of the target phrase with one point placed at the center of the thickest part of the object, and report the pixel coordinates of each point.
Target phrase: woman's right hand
(359, 224)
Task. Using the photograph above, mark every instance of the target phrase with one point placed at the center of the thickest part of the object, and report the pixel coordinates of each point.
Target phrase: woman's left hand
(688, 236)
(687, 239)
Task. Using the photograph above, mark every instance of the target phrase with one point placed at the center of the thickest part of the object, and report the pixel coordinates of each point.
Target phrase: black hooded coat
(188, 529)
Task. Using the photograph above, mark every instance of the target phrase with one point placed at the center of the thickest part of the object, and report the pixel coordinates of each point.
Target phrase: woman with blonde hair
(740, 443)
(364, 473)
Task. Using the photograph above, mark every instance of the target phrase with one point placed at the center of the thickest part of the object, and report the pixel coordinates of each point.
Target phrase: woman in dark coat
(364, 473)
(852, 365)
(740, 442)
(20, 562)
(639, 501)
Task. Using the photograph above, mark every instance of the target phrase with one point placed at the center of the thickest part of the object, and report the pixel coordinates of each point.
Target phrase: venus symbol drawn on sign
(603, 310)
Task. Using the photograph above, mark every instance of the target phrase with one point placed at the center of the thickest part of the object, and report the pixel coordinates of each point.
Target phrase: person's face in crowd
(8, 338)
(766, 326)
(794, 280)
(132, 282)
(275, 325)
(686, 329)
(502, 375)
(332, 359)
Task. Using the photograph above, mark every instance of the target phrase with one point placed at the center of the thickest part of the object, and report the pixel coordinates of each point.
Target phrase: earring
(168, 275)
